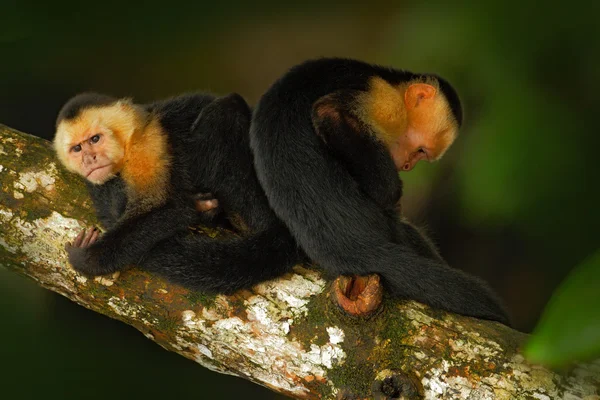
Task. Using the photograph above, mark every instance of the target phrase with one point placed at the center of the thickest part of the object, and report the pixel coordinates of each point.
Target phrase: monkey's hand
(78, 250)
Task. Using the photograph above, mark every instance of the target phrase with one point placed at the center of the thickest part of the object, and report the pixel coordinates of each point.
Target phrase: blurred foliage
(569, 329)
(515, 200)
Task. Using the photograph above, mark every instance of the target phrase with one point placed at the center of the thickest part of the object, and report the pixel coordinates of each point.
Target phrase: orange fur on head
(382, 108)
(429, 114)
(408, 116)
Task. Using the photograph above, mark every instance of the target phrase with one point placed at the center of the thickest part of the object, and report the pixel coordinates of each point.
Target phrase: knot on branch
(358, 295)
(392, 384)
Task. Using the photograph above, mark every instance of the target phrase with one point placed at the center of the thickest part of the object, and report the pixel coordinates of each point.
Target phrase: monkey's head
(418, 120)
(93, 132)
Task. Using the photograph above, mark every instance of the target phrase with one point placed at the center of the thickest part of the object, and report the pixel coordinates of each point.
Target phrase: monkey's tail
(224, 266)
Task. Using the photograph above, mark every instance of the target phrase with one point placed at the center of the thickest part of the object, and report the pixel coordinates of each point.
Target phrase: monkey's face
(94, 154)
(94, 143)
(89, 147)
(420, 143)
(430, 128)
(414, 120)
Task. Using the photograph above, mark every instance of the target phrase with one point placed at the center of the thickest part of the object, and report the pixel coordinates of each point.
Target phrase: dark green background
(514, 201)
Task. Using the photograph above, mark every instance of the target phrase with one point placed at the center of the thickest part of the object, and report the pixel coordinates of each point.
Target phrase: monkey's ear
(417, 92)
(326, 108)
(331, 109)
(329, 117)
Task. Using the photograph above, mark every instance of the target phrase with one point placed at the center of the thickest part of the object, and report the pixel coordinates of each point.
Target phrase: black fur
(313, 182)
(131, 232)
(453, 99)
(218, 156)
(209, 142)
(367, 160)
(75, 105)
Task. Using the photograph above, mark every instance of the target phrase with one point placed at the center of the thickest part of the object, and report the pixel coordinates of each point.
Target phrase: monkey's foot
(205, 202)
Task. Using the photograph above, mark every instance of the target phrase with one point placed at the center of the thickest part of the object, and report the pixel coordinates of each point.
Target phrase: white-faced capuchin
(328, 139)
(146, 168)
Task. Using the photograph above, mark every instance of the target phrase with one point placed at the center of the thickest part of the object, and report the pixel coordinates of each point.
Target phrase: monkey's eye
(95, 138)
(76, 149)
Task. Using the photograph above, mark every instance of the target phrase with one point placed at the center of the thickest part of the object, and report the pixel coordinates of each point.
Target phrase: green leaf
(569, 329)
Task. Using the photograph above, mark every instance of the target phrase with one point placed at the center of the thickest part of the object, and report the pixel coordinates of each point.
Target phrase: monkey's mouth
(97, 169)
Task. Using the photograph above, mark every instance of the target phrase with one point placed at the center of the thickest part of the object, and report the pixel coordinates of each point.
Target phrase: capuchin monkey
(154, 170)
(328, 139)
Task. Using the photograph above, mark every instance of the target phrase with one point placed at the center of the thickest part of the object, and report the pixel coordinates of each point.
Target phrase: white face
(91, 152)
(93, 144)
(412, 119)
(410, 148)
(94, 163)
(429, 131)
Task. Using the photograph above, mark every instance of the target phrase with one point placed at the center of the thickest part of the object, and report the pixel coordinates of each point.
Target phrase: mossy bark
(285, 334)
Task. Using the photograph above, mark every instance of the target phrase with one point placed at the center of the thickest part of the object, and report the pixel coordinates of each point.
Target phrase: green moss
(325, 391)
(364, 343)
(93, 290)
(205, 300)
(34, 213)
(167, 324)
(355, 374)
(311, 329)
(394, 326)
(318, 310)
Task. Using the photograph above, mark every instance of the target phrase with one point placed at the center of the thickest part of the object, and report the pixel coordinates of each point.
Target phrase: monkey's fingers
(95, 236)
(78, 239)
(88, 235)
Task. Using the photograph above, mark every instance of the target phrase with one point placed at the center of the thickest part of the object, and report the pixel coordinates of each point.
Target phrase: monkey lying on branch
(312, 172)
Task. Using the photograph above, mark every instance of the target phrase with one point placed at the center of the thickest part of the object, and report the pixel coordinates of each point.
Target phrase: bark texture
(288, 334)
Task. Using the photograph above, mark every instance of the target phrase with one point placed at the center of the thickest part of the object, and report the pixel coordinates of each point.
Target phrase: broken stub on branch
(358, 295)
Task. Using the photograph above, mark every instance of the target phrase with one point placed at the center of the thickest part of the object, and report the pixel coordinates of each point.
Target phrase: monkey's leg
(206, 203)
(222, 163)
(210, 211)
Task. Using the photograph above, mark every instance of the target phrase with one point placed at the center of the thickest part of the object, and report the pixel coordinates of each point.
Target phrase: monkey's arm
(365, 157)
(128, 240)
(370, 164)
(109, 201)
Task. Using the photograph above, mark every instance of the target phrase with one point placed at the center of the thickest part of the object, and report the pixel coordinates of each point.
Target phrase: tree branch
(288, 334)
